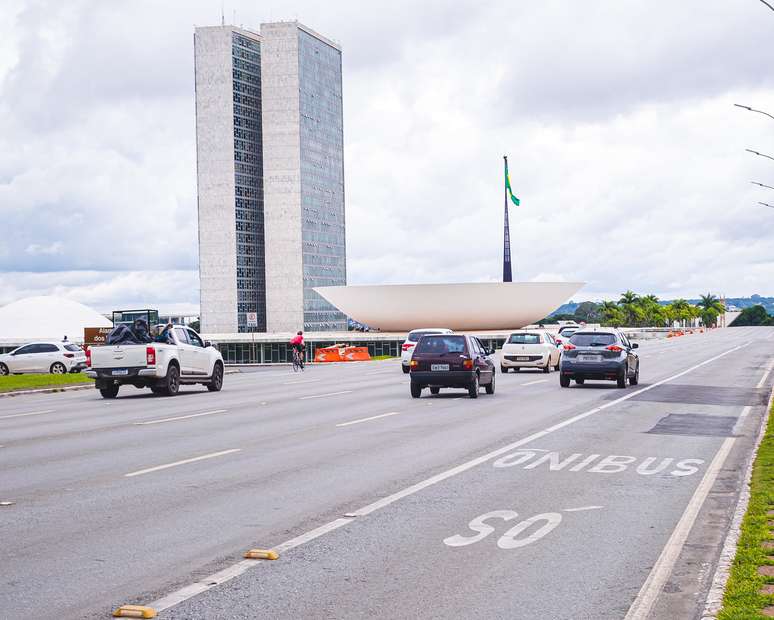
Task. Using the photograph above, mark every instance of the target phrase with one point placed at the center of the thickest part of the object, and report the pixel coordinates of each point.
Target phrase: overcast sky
(617, 116)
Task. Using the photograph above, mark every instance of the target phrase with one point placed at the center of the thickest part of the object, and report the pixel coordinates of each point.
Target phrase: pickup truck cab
(163, 368)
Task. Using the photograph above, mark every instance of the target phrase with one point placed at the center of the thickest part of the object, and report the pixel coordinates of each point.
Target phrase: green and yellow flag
(508, 189)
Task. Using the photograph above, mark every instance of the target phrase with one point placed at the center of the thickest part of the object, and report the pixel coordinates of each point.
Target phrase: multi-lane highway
(536, 502)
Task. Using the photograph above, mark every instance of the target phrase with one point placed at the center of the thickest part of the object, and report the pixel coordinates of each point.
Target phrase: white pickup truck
(186, 360)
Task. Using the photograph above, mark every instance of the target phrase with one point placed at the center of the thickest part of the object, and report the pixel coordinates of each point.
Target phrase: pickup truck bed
(163, 367)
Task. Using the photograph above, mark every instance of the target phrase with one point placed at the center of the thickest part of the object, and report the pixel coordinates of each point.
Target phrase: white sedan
(57, 358)
(530, 348)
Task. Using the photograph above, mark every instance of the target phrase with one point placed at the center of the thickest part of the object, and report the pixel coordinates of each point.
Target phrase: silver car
(40, 357)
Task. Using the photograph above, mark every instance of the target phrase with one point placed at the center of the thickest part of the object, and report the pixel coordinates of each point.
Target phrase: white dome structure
(477, 305)
(47, 318)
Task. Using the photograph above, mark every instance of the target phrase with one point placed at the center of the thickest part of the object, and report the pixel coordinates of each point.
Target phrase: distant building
(270, 177)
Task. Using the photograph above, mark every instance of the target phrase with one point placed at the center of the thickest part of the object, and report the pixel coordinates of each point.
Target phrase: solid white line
(180, 417)
(22, 415)
(183, 462)
(534, 382)
(582, 508)
(373, 417)
(205, 584)
(643, 604)
(741, 418)
(300, 382)
(324, 395)
(765, 375)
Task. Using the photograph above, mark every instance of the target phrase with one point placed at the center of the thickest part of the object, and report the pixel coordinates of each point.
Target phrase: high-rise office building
(270, 167)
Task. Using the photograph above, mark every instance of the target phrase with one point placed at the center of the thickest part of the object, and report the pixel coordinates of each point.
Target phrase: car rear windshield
(415, 336)
(72, 347)
(568, 331)
(441, 344)
(524, 339)
(592, 340)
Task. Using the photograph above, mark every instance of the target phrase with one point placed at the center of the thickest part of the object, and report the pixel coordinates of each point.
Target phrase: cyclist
(298, 347)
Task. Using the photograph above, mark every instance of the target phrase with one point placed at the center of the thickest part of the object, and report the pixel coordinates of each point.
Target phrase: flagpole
(507, 275)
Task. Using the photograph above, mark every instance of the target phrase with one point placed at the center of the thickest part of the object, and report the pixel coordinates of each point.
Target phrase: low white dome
(47, 318)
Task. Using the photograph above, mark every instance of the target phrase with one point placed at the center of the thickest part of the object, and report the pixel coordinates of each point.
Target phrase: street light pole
(747, 107)
(760, 154)
(766, 205)
(761, 185)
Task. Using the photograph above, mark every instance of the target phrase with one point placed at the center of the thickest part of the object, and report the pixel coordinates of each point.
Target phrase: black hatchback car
(605, 354)
(451, 361)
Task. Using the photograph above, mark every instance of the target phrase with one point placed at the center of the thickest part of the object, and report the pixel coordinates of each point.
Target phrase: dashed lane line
(183, 462)
(237, 569)
(180, 417)
(373, 417)
(24, 415)
(301, 382)
(534, 382)
(324, 395)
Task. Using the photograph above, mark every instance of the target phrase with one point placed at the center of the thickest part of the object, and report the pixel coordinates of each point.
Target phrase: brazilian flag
(508, 189)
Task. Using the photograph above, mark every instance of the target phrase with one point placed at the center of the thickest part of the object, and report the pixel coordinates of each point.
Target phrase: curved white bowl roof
(47, 318)
(474, 306)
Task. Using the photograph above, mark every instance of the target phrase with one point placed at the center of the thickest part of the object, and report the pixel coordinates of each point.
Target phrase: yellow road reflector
(261, 554)
(134, 611)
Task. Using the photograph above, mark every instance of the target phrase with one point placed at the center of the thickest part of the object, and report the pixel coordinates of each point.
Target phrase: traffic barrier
(356, 354)
(329, 354)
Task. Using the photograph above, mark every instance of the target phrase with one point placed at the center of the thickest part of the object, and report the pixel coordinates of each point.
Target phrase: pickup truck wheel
(172, 382)
(110, 391)
(157, 390)
(217, 378)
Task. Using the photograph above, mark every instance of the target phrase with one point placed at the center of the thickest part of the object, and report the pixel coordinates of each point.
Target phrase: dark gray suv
(604, 354)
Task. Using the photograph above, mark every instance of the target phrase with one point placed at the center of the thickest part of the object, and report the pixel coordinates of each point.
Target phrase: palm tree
(711, 302)
(629, 306)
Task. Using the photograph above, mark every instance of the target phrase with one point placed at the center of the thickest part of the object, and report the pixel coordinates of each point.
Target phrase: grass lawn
(742, 600)
(376, 358)
(31, 382)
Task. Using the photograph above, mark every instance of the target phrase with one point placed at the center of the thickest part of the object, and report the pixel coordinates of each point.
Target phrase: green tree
(754, 315)
(611, 314)
(587, 311)
(711, 309)
(652, 311)
(630, 307)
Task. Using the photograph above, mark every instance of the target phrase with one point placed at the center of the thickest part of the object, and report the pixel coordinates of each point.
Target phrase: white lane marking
(740, 419)
(373, 417)
(181, 417)
(534, 382)
(582, 508)
(183, 462)
(23, 415)
(324, 395)
(653, 585)
(237, 569)
(300, 382)
(765, 375)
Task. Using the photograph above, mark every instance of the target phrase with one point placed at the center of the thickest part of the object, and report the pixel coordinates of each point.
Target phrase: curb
(714, 601)
(47, 390)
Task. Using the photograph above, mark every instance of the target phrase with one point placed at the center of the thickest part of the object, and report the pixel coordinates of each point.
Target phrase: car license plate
(588, 358)
(120, 371)
(522, 358)
(439, 366)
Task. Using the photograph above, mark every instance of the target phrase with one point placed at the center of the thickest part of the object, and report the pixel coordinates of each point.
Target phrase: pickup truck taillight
(150, 356)
(88, 357)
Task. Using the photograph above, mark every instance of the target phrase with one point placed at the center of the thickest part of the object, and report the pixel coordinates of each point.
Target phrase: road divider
(183, 462)
(181, 417)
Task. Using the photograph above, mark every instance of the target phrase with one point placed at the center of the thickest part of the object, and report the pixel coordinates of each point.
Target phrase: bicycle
(298, 361)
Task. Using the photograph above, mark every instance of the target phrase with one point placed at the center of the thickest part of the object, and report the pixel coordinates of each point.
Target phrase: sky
(617, 117)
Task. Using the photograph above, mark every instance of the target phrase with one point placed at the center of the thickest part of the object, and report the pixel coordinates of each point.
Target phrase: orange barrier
(330, 354)
(356, 354)
(342, 354)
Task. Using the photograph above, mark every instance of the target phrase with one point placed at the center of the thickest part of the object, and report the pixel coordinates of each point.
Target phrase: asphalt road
(536, 502)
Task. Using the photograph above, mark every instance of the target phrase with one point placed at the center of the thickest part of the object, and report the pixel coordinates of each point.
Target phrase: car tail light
(467, 364)
(88, 357)
(569, 347)
(558, 341)
(150, 356)
(413, 364)
(407, 345)
(69, 355)
(614, 347)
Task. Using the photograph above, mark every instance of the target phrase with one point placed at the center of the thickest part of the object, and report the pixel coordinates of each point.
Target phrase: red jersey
(297, 340)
